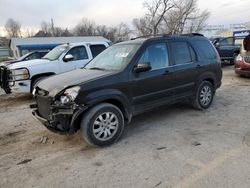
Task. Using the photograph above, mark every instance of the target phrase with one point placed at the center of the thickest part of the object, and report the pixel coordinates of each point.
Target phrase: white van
(23, 76)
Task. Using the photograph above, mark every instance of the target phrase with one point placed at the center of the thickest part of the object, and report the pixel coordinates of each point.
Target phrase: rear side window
(181, 53)
(96, 49)
(206, 48)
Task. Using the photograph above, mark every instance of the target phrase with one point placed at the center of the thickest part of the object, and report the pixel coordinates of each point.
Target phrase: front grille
(247, 59)
(43, 103)
(4, 77)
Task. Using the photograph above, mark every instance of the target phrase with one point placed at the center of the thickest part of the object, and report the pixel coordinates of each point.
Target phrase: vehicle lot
(174, 146)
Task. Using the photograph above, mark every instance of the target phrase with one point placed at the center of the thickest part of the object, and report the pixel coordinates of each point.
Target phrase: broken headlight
(69, 95)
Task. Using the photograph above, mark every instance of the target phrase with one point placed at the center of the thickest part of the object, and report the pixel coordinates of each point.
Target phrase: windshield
(114, 58)
(56, 52)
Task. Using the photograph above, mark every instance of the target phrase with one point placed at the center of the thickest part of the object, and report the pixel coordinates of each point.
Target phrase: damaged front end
(5, 75)
(56, 116)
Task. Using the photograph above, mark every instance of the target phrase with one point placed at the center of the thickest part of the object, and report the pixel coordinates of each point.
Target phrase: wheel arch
(116, 100)
(33, 78)
(210, 77)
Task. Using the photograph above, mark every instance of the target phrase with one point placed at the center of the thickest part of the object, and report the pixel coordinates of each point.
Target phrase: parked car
(127, 79)
(242, 62)
(227, 48)
(26, 57)
(23, 76)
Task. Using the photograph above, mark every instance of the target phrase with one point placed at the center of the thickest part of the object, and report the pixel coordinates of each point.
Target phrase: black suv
(127, 79)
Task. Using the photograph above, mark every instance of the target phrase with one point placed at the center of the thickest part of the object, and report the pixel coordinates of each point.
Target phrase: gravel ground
(174, 146)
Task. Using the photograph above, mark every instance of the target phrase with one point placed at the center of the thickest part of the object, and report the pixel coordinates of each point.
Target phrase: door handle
(167, 72)
(198, 66)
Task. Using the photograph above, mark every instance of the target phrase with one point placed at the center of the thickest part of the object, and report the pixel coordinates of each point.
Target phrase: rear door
(185, 68)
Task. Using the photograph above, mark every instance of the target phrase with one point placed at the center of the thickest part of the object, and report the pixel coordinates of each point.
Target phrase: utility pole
(52, 27)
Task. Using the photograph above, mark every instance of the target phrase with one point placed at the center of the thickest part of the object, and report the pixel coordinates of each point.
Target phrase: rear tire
(204, 96)
(102, 125)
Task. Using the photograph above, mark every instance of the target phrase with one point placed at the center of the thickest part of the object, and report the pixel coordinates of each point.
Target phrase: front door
(226, 48)
(80, 58)
(155, 87)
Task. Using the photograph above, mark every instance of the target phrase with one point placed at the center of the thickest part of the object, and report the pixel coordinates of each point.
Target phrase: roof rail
(192, 34)
(167, 35)
(148, 36)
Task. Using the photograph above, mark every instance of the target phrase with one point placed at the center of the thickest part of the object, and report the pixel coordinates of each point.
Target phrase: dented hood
(57, 83)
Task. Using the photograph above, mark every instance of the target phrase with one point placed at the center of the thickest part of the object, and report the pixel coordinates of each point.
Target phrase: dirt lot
(173, 146)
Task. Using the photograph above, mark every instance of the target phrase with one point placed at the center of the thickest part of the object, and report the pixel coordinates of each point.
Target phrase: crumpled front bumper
(60, 120)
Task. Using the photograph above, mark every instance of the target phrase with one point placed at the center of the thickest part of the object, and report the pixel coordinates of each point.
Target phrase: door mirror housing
(142, 67)
(217, 44)
(68, 57)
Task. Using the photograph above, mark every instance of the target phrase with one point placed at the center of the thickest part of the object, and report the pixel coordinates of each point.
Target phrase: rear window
(206, 49)
(96, 49)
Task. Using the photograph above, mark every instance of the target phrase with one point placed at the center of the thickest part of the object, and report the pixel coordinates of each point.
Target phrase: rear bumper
(242, 72)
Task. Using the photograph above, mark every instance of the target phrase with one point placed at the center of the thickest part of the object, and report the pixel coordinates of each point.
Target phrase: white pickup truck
(23, 76)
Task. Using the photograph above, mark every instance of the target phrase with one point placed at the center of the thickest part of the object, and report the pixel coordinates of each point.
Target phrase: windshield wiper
(97, 68)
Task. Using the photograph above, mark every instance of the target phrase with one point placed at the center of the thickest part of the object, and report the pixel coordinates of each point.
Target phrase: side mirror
(142, 67)
(68, 57)
(216, 44)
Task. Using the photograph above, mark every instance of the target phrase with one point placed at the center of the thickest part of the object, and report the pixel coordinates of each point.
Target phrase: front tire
(204, 96)
(102, 125)
(35, 82)
(234, 58)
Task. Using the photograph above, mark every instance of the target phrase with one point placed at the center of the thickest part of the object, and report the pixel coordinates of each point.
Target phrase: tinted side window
(33, 56)
(79, 53)
(227, 41)
(96, 49)
(206, 48)
(156, 55)
(43, 54)
(181, 52)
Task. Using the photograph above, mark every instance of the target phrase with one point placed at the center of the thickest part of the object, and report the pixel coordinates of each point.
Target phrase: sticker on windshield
(122, 54)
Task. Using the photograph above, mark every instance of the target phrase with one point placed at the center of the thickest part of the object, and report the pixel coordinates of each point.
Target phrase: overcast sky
(30, 13)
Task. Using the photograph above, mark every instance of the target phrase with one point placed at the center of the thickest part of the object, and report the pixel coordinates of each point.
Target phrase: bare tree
(28, 33)
(198, 23)
(185, 17)
(171, 16)
(123, 32)
(85, 28)
(156, 11)
(13, 28)
(46, 29)
(142, 26)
